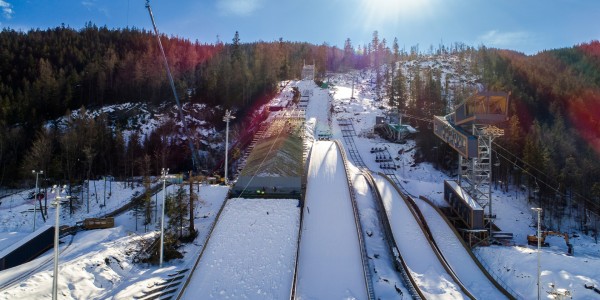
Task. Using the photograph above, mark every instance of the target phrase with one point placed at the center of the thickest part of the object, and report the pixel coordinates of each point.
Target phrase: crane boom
(184, 122)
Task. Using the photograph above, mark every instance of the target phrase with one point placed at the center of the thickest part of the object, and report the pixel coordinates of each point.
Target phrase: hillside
(553, 123)
(110, 268)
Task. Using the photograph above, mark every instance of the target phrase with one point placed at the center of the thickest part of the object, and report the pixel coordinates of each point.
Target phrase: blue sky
(528, 26)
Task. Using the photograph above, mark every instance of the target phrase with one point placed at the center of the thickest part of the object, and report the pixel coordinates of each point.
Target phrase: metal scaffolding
(478, 170)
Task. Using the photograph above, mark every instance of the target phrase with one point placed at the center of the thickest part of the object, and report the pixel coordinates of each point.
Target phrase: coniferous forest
(44, 74)
(553, 128)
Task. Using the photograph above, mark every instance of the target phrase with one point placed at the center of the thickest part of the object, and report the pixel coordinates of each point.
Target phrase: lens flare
(380, 12)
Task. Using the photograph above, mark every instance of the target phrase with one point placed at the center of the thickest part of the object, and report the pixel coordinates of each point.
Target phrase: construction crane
(195, 159)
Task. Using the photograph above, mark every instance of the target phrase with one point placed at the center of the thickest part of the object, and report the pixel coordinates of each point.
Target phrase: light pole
(35, 198)
(56, 203)
(228, 117)
(353, 79)
(539, 244)
(164, 173)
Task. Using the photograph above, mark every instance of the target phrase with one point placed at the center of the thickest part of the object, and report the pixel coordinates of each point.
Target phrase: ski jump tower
(308, 71)
(470, 130)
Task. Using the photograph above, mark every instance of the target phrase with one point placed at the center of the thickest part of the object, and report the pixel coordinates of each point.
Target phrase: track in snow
(430, 275)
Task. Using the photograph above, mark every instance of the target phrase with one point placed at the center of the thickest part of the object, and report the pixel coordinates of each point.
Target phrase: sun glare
(379, 12)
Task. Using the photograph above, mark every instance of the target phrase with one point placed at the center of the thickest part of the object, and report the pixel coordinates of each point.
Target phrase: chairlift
(497, 163)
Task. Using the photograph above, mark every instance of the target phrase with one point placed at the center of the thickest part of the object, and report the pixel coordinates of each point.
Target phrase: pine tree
(176, 208)
(348, 60)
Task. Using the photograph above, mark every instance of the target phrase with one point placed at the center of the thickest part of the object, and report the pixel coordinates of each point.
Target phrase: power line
(585, 199)
(517, 158)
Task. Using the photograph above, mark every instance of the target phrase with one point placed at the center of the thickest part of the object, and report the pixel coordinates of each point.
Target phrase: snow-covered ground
(457, 256)
(420, 258)
(98, 264)
(251, 253)
(329, 264)
(514, 265)
(17, 213)
(317, 117)
(386, 280)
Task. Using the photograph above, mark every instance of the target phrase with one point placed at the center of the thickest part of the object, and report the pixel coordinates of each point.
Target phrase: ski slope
(329, 264)
(251, 252)
(429, 274)
(457, 256)
(317, 117)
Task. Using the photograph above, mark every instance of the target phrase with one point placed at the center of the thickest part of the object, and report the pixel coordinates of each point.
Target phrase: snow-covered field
(17, 213)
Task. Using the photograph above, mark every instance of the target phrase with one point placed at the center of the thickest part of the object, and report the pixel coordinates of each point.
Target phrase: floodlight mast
(228, 117)
(539, 243)
(164, 173)
(185, 126)
(57, 199)
(35, 198)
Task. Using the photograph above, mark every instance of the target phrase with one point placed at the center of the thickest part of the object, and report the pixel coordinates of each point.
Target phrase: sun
(380, 12)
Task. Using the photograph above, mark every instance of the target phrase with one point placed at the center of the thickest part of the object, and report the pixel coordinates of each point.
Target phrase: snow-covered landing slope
(251, 252)
(457, 256)
(329, 260)
(428, 272)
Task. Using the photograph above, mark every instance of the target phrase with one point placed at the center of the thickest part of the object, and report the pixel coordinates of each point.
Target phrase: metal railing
(348, 133)
(422, 222)
(504, 288)
(495, 275)
(180, 290)
(409, 282)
